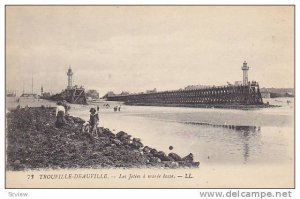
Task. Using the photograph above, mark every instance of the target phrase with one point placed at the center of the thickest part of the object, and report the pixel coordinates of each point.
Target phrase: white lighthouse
(245, 69)
(70, 80)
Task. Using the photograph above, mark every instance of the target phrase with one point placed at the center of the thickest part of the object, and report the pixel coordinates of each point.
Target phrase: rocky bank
(33, 142)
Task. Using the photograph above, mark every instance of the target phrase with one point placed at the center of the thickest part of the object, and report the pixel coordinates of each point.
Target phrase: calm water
(264, 136)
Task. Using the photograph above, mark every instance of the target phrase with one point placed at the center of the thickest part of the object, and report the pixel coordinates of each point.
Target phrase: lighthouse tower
(42, 90)
(245, 69)
(70, 75)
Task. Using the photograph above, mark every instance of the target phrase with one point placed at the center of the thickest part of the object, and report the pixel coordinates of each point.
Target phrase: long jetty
(222, 96)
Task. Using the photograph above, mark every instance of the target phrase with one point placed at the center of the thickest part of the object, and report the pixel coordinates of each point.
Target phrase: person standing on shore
(60, 115)
(98, 119)
(94, 121)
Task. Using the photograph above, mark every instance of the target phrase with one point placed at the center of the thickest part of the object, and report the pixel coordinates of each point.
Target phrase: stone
(155, 160)
(136, 140)
(117, 142)
(120, 134)
(146, 149)
(136, 145)
(188, 158)
(174, 156)
(161, 155)
(153, 151)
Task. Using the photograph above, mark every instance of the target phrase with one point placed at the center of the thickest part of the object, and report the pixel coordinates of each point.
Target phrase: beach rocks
(107, 133)
(188, 158)
(171, 164)
(136, 145)
(124, 137)
(33, 142)
(153, 152)
(117, 142)
(120, 134)
(146, 150)
(161, 155)
(174, 156)
(154, 160)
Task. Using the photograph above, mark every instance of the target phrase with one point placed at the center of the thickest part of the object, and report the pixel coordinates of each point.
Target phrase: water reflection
(225, 136)
(246, 139)
(250, 134)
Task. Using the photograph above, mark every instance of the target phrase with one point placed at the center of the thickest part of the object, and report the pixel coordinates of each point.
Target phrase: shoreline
(208, 106)
(33, 142)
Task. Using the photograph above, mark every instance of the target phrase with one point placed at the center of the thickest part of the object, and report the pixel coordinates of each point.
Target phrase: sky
(137, 48)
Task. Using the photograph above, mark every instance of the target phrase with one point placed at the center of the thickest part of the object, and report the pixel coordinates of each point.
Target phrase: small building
(93, 94)
(46, 94)
(238, 83)
(11, 94)
(109, 94)
(125, 93)
(265, 94)
(29, 95)
(151, 91)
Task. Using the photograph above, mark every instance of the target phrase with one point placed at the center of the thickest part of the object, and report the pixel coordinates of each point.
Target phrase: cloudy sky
(134, 48)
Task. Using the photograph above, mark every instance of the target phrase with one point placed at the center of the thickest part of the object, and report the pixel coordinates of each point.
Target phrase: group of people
(89, 126)
(117, 108)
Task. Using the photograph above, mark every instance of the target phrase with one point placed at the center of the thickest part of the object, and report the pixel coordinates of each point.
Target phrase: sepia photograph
(153, 96)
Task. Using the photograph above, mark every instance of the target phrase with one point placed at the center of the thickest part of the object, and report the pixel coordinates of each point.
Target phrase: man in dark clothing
(94, 120)
(60, 115)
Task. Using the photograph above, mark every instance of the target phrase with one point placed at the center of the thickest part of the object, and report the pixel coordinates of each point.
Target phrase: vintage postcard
(150, 96)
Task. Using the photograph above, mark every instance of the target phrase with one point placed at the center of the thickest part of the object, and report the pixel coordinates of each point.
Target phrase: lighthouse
(245, 69)
(70, 80)
(42, 90)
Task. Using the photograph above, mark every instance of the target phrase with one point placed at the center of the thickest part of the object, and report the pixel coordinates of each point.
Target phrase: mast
(23, 87)
(31, 83)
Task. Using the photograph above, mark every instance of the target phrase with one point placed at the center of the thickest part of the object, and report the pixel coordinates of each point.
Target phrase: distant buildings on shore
(92, 94)
(151, 91)
(277, 92)
(11, 93)
(193, 87)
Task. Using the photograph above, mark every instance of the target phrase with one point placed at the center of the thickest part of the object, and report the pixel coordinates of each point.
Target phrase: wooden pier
(223, 95)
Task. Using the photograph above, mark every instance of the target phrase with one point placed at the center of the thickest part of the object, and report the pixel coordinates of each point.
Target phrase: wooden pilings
(215, 95)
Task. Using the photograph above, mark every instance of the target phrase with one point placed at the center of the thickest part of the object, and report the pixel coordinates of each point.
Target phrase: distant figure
(106, 105)
(115, 108)
(97, 113)
(94, 121)
(119, 108)
(288, 102)
(60, 115)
